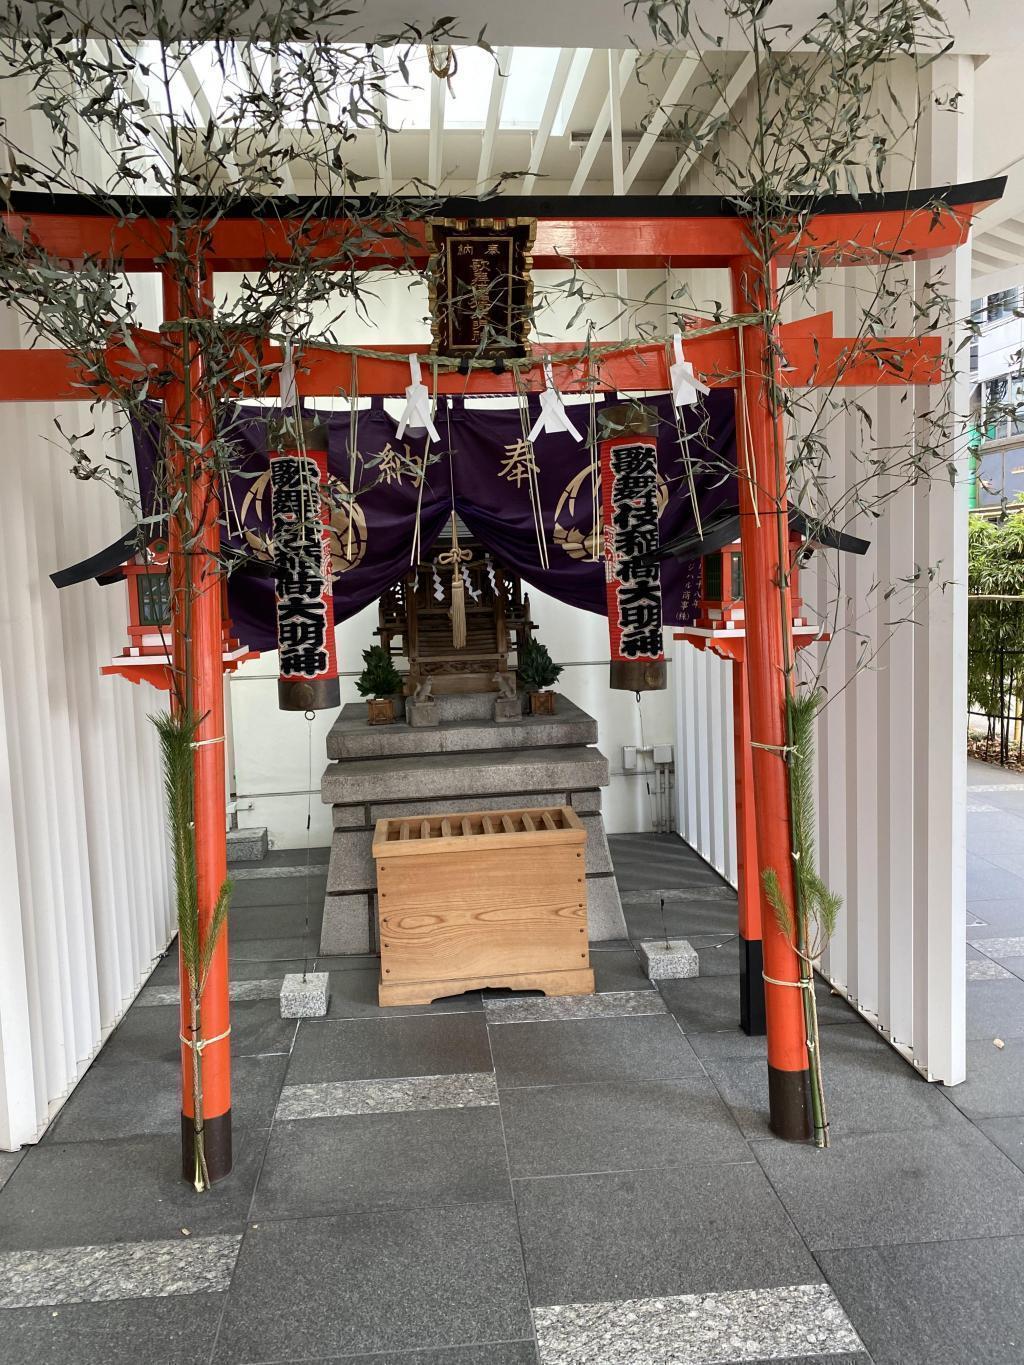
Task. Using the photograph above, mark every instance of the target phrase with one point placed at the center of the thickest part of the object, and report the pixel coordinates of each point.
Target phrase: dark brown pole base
(217, 1135)
(637, 675)
(789, 1104)
(315, 694)
(752, 1020)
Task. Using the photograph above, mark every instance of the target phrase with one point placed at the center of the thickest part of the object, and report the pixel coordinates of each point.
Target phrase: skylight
(227, 73)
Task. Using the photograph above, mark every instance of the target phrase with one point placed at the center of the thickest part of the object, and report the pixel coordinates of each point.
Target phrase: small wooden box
(496, 899)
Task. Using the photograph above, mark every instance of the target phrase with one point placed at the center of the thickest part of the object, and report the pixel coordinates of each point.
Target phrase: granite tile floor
(497, 1179)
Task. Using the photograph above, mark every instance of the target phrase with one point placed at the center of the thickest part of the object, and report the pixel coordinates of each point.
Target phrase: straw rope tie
(200, 1044)
(774, 981)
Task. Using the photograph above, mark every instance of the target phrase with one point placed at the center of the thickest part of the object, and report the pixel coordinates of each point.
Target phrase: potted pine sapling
(537, 672)
(380, 683)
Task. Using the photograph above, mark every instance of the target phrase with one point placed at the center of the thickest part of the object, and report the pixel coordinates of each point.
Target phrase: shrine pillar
(764, 536)
(199, 685)
(748, 885)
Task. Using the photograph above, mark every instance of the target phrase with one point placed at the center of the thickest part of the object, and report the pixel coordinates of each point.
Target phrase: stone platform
(467, 762)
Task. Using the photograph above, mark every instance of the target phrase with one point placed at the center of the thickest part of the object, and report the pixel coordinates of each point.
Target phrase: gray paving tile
(695, 1329)
(850, 1358)
(278, 922)
(879, 1189)
(369, 1049)
(151, 1033)
(551, 1008)
(8, 1164)
(704, 1004)
(170, 1331)
(396, 1281)
(1008, 1136)
(684, 1230)
(339, 1099)
(619, 970)
(868, 1088)
(995, 1009)
(125, 1189)
(274, 965)
(284, 890)
(242, 949)
(354, 996)
(47, 1277)
(590, 1050)
(132, 1098)
(268, 988)
(429, 1158)
(986, 882)
(943, 1303)
(999, 918)
(986, 970)
(623, 1126)
(719, 954)
(506, 1353)
(995, 1080)
(734, 1044)
(682, 919)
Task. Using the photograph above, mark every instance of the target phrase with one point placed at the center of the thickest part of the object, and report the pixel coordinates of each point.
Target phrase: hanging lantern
(300, 515)
(629, 497)
(146, 574)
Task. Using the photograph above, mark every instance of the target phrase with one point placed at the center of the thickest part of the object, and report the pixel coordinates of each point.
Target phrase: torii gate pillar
(764, 536)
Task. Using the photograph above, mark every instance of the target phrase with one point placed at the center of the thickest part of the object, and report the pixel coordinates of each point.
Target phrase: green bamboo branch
(177, 732)
(809, 925)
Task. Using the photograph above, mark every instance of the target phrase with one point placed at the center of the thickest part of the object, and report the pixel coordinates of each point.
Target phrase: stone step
(410, 776)
(351, 737)
(247, 845)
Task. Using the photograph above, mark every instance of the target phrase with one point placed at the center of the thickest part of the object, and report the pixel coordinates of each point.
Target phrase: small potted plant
(380, 682)
(538, 671)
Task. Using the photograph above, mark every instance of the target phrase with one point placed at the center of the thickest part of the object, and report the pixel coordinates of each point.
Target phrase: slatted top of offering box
(464, 833)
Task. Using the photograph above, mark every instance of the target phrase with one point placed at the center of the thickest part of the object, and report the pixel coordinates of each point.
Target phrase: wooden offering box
(467, 901)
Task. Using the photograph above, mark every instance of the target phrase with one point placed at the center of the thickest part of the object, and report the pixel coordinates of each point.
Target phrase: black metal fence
(996, 685)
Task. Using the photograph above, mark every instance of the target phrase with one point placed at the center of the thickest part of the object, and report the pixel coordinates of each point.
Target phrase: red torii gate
(626, 233)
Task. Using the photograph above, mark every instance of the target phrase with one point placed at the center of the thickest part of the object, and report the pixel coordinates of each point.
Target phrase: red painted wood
(769, 651)
(593, 243)
(54, 376)
(202, 689)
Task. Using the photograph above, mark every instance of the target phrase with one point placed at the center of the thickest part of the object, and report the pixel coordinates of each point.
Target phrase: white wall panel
(890, 755)
(86, 907)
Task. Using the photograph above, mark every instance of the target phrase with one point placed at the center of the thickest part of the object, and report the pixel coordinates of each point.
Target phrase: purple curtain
(482, 468)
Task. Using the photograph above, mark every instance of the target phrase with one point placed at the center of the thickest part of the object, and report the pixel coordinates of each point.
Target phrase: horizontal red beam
(854, 238)
(53, 376)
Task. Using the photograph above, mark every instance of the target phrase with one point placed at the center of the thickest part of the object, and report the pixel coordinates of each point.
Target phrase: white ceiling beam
(720, 109)
(495, 104)
(1012, 203)
(627, 61)
(547, 118)
(438, 90)
(998, 249)
(681, 78)
(200, 102)
(990, 277)
(384, 172)
(615, 110)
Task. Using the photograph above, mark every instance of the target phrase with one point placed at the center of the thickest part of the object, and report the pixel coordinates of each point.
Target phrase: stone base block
(305, 998)
(247, 845)
(422, 714)
(346, 926)
(508, 708)
(669, 961)
(604, 910)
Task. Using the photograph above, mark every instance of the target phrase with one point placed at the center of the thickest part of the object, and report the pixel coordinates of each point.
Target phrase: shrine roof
(725, 530)
(578, 207)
